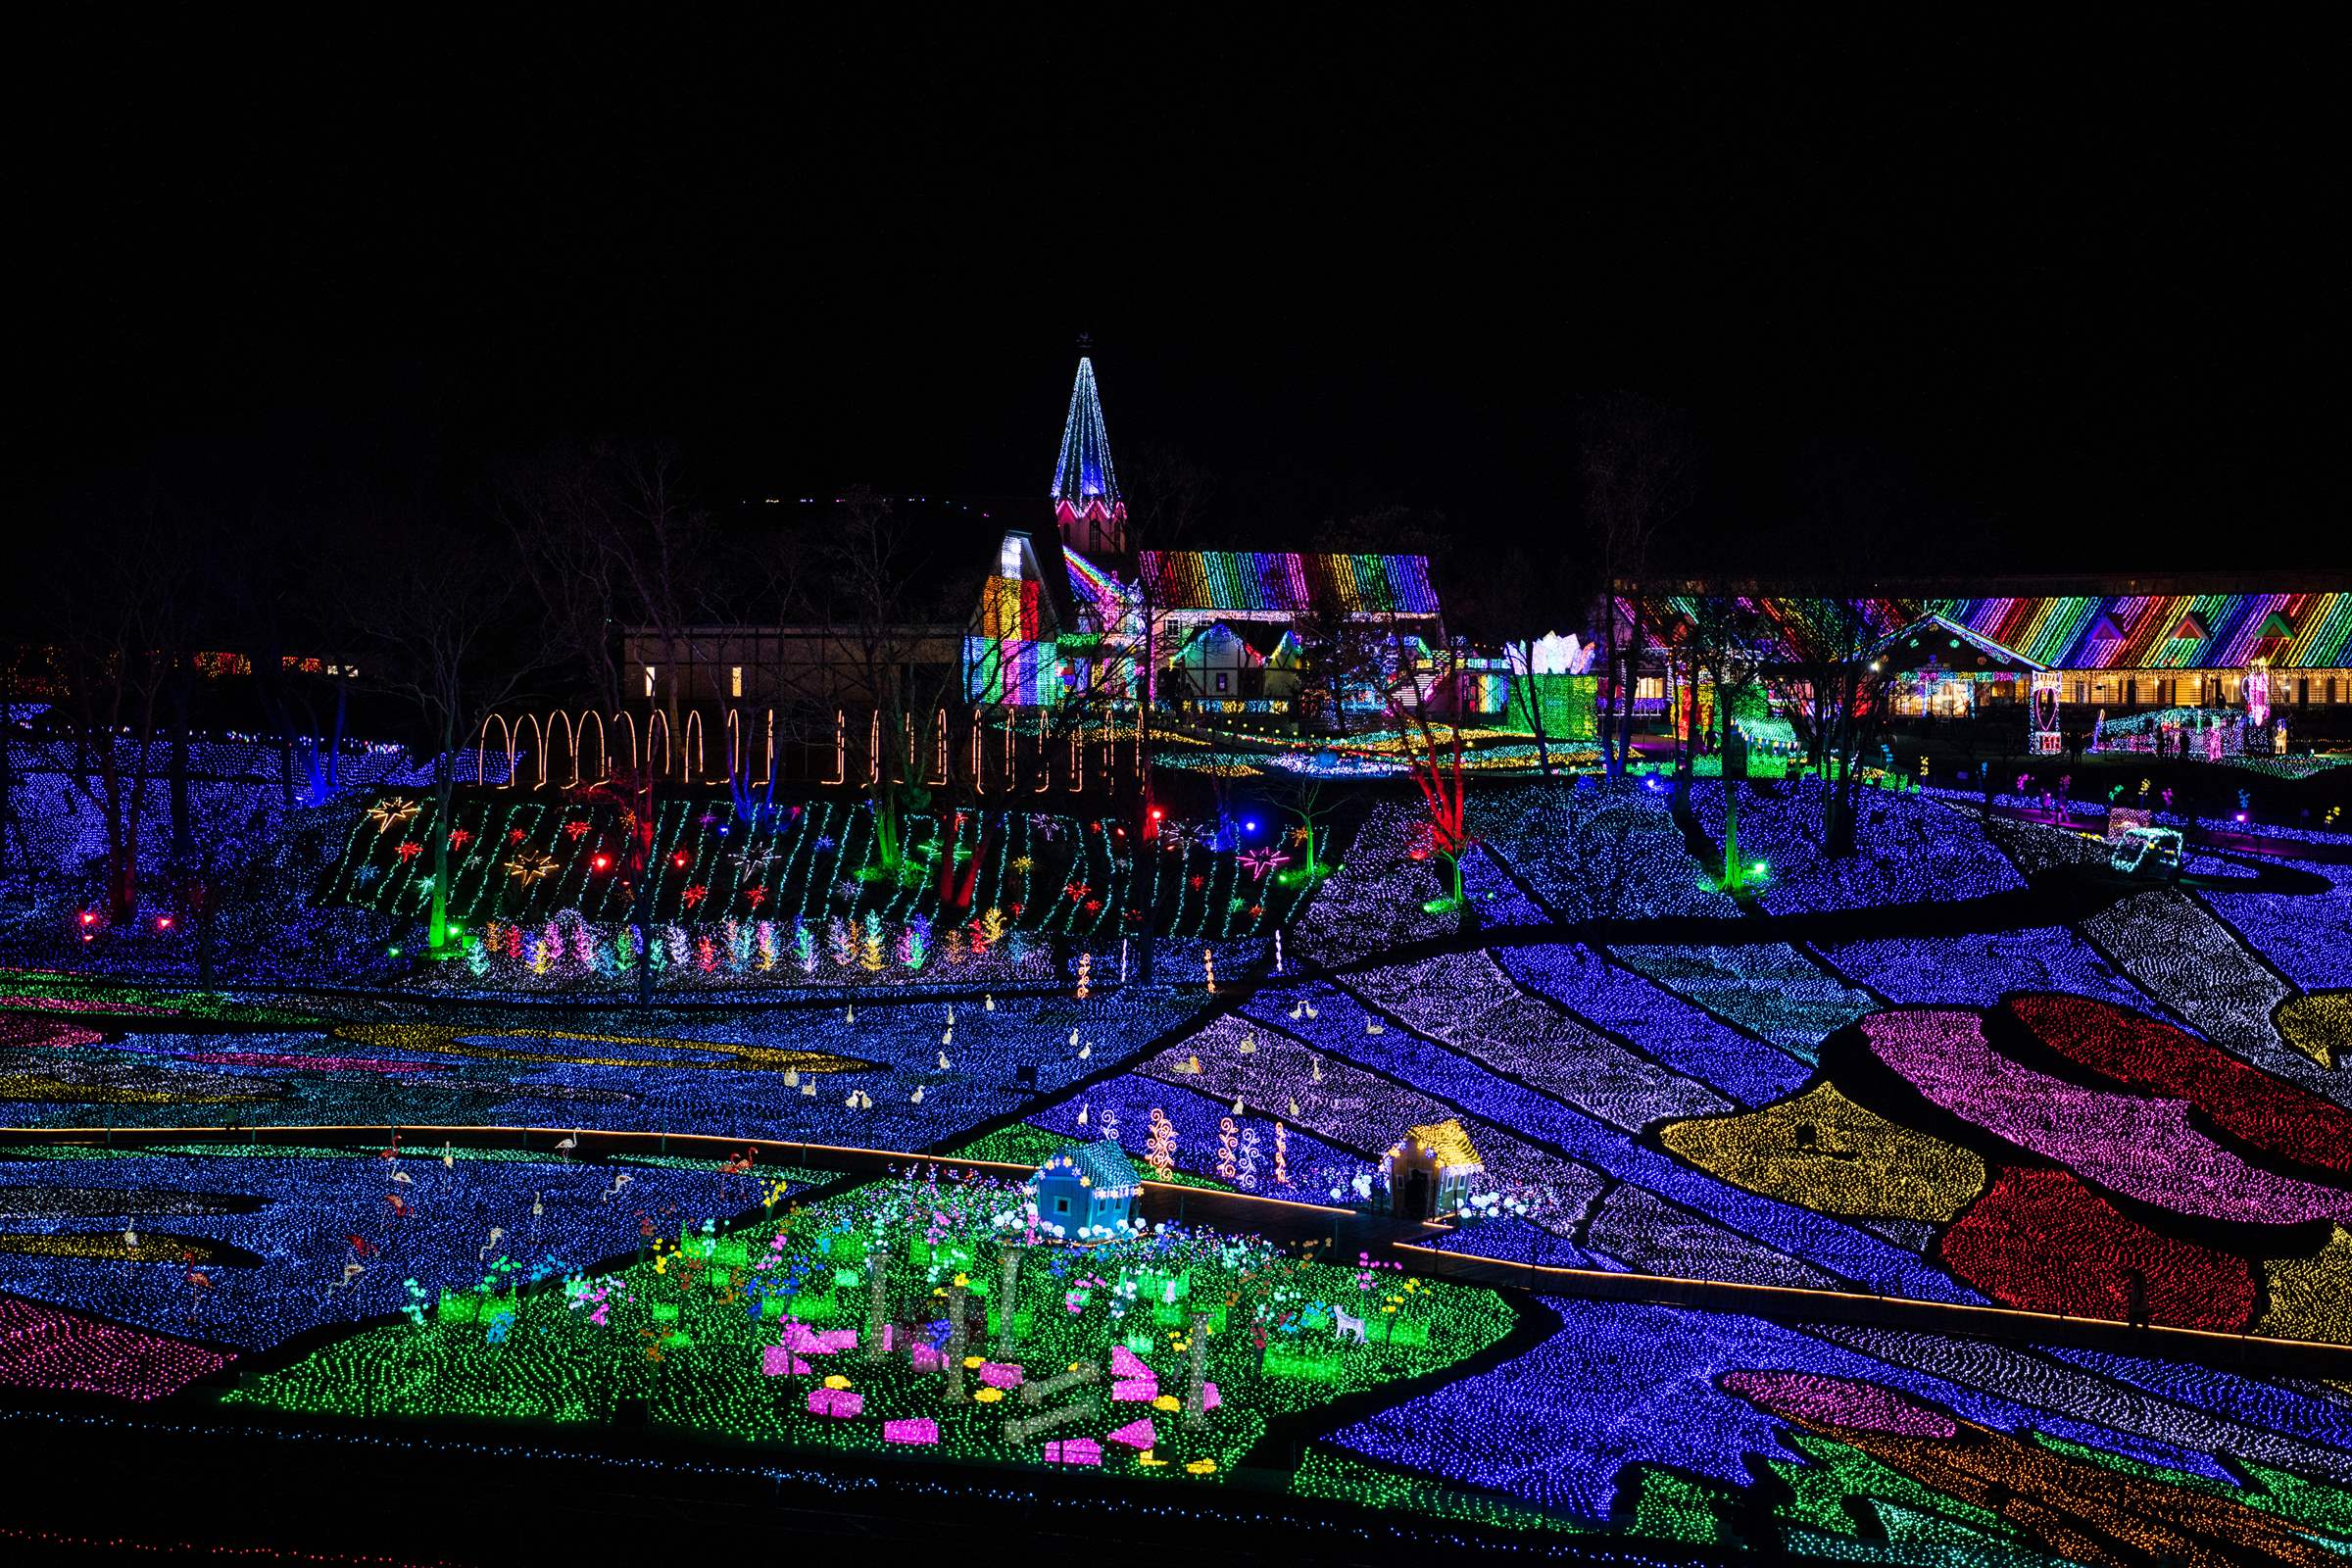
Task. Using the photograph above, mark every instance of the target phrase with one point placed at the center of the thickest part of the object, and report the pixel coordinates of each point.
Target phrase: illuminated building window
(735, 681)
(649, 680)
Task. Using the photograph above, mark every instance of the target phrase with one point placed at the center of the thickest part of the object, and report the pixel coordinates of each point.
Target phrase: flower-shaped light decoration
(695, 895)
(410, 850)
(577, 831)
(1022, 865)
(2104, 1184)
(1261, 861)
(529, 866)
(391, 813)
(459, 837)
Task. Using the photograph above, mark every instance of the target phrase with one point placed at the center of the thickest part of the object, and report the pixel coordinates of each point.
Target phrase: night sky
(2075, 283)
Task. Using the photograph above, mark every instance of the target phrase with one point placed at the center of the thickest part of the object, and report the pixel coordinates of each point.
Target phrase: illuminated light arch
(979, 771)
(657, 720)
(734, 732)
(604, 759)
(538, 746)
(636, 759)
(482, 742)
(571, 743)
(690, 755)
(1045, 762)
(940, 750)
(873, 750)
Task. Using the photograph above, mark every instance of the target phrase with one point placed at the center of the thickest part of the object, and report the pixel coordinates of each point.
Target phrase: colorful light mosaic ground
(1921, 1075)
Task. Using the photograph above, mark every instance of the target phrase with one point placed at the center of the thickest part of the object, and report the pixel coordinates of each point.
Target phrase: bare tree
(1639, 465)
(606, 539)
(1726, 646)
(439, 615)
(882, 625)
(117, 614)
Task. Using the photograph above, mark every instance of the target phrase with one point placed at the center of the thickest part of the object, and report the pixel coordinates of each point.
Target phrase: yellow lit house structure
(1429, 1170)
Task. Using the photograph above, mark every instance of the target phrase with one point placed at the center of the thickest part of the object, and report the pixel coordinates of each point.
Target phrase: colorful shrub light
(1980, 969)
(2193, 966)
(2140, 1053)
(1621, 1386)
(2309, 938)
(1771, 1232)
(50, 1349)
(1467, 1001)
(315, 1235)
(754, 1074)
(529, 858)
(1821, 1150)
(2138, 1148)
(1768, 988)
(1909, 849)
(2041, 1240)
(1655, 1022)
(1123, 1106)
(928, 1312)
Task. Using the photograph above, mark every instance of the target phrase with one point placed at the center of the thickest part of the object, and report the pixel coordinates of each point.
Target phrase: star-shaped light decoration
(410, 850)
(529, 866)
(367, 874)
(388, 814)
(1043, 826)
(695, 895)
(576, 831)
(1261, 861)
(754, 897)
(458, 837)
(1021, 865)
(751, 865)
(1300, 835)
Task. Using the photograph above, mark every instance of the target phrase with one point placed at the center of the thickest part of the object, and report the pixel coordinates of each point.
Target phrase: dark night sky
(2079, 282)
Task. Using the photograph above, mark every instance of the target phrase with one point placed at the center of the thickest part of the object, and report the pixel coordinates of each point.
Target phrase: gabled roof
(1933, 640)
(1105, 1166)
(1448, 1144)
(1287, 584)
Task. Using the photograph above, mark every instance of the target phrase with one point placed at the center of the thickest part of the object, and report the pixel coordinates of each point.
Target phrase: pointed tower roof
(1084, 485)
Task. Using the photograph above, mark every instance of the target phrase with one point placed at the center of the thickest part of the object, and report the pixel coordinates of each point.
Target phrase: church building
(1075, 612)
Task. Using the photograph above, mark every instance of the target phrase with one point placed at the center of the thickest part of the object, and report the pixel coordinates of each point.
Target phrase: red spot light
(678, 859)
(1157, 813)
(163, 923)
(603, 862)
(88, 917)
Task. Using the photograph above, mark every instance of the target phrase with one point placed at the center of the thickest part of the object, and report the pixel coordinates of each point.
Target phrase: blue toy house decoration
(1086, 1193)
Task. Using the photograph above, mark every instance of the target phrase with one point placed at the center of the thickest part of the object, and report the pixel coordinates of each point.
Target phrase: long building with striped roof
(2186, 641)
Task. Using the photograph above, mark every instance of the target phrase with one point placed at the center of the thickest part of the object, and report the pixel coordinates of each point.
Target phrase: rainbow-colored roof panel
(2203, 631)
(1238, 581)
(2090, 631)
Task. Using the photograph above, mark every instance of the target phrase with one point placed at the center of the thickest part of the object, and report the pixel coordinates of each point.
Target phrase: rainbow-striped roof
(2202, 631)
(2091, 631)
(1227, 582)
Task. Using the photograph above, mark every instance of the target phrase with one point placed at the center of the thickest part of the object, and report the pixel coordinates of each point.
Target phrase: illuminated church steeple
(1086, 493)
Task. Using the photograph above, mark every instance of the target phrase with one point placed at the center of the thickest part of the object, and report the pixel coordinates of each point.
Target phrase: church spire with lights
(1086, 492)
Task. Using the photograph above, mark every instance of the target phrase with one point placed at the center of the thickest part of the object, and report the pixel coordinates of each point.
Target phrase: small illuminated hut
(1429, 1170)
(1086, 1193)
